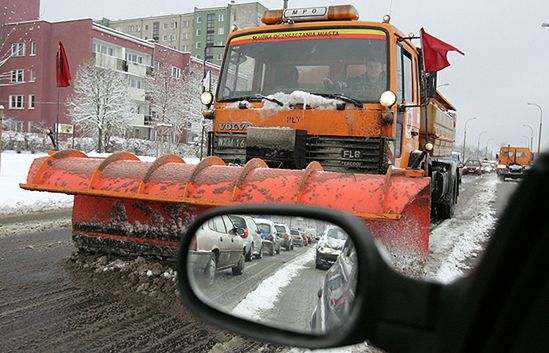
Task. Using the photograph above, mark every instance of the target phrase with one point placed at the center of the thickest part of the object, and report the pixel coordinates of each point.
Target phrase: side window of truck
(400, 96)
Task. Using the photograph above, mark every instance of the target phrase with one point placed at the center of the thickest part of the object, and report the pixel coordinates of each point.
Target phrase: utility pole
(531, 136)
(465, 138)
(285, 5)
(478, 143)
(540, 123)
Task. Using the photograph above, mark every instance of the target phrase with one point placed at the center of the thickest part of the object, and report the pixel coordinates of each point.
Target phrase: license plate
(231, 141)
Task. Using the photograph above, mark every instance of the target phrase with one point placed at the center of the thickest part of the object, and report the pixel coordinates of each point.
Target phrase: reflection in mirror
(288, 272)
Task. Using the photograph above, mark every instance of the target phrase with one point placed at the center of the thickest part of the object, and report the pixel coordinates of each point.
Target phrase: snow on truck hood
(294, 98)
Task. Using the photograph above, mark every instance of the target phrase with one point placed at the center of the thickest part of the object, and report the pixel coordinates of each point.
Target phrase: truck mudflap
(126, 206)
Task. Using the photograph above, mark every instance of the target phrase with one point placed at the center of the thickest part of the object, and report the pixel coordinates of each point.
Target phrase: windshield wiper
(254, 98)
(343, 97)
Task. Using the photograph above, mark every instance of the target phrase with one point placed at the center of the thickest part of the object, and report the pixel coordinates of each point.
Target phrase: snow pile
(300, 97)
(454, 241)
(264, 297)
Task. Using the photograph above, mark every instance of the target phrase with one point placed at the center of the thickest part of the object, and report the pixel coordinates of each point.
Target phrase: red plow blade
(126, 206)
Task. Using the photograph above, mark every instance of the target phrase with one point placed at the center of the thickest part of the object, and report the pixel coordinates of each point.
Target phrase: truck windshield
(348, 61)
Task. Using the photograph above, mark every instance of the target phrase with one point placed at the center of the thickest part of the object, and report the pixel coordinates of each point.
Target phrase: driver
(373, 81)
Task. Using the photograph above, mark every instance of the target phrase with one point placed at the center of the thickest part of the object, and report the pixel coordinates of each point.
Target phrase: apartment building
(29, 93)
(193, 32)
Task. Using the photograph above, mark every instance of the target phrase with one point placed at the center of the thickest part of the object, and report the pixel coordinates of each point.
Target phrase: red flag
(434, 52)
(62, 71)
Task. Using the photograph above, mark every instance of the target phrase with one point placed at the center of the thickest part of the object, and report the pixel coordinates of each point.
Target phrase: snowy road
(46, 304)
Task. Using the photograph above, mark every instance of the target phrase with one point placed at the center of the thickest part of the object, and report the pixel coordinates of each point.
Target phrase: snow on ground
(455, 240)
(13, 170)
(264, 297)
(14, 200)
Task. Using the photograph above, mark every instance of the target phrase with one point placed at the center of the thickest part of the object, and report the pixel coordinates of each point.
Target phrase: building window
(198, 32)
(165, 37)
(18, 49)
(221, 30)
(32, 75)
(186, 23)
(16, 102)
(17, 76)
(33, 48)
(221, 17)
(166, 25)
(146, 27)
(199, 19)
(131, 28)
(220, 43)
(173, 37)
(103, 49)
(156, 30)
(175, 72)
(31, 101)
(198, 45)
(185, 48)
(134, 58)
(219, 56)
(173, 25)
(157, 66)
(136, 83)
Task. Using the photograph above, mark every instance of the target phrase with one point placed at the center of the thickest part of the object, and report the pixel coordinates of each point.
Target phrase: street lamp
(531, 135)
(527, 139)
(465, 137)
(540, 123)
(478, 143)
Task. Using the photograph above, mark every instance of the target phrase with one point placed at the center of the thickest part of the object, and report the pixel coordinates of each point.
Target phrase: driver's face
(374, 69)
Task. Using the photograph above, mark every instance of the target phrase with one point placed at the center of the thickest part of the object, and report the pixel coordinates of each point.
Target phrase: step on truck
(314, 108)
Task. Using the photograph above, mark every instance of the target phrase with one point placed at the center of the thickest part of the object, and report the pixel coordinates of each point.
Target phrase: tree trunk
(100, 140)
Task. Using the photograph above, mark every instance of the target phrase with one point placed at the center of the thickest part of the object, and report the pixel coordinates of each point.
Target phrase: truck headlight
(206, 98)
(387, 99)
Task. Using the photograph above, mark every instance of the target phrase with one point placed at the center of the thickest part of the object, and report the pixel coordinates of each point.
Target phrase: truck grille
(338, 154)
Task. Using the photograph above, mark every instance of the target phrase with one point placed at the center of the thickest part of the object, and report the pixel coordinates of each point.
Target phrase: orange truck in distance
(513, 162)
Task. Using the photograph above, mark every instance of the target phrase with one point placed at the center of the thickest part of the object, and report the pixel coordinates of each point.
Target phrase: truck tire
(446, 211)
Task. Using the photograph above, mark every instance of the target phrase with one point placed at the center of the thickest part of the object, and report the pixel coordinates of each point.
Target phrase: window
(156, 30)
(165, 37)
(103, 49)
(199, 19)
(165, 25)
(146, 27)
(173, 37)
(16, 102)
(33, 48)
(173, 25)
(131, 28)
(32, 75)
(221, 30)
(17, 76)
(221, 17)
(134, 58)
(157, 66)
(186, 23)
(185, 48)
(175, 72)
(198, 32)
(198, 45)
(31, 101)
(219, 56)
(18, 49)
(136, 83)
(408, 83)
(219, 42)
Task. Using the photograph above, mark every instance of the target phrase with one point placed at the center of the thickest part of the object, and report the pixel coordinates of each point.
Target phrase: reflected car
(269, 240)
(297, 237)
(487, 168)
(329, 247)
(217, 246)
(285, 236)
(472, 166)
(251, 236)
(337, 294)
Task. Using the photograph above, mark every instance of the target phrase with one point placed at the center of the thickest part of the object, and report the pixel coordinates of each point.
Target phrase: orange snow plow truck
(314, 108)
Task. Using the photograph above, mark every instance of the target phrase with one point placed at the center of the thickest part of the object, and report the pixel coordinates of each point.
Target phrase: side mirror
(207, 82)
(239, 231)
(363, 297)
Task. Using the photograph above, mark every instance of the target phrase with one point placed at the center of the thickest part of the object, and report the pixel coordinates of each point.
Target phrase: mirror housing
(386, 303)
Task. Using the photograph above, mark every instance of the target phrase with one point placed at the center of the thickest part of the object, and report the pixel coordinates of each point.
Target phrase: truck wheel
(447, 211)
(237, 269)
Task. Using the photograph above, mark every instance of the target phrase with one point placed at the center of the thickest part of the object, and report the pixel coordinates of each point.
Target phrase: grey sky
(506, 62)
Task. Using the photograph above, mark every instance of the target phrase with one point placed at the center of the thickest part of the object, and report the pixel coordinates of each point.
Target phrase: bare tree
(100, 106)
(175, 101)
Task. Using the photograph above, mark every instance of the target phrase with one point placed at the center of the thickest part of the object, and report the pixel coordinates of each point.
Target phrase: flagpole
(58, 93)
(424, 79)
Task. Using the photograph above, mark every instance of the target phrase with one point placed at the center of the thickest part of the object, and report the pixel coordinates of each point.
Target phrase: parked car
(472, 166)
(284, 234)
(270, 241)
(312, 233)
(487, 168)
(297, 238)
(329, 247)
(306, 239)
(218, 246)
(337, 294)
(251, 236)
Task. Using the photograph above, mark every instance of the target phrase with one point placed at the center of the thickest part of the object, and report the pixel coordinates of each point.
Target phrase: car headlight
(387, 99)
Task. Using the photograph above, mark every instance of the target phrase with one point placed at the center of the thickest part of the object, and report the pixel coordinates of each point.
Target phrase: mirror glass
(294, 273)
